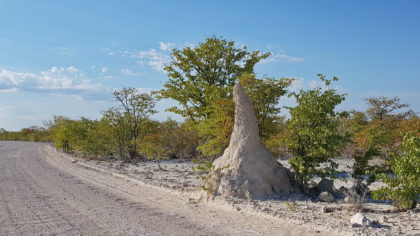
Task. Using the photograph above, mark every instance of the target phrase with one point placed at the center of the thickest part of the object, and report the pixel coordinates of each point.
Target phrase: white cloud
(57, 80)
(154, 58)
(297, 84)
(166, 46)
(128, 72)
(104, 69)
(282, 56)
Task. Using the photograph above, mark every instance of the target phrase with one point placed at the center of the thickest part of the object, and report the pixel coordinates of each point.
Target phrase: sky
(66, 57)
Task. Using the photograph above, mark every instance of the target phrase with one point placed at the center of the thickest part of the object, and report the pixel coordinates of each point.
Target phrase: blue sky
(65, 57)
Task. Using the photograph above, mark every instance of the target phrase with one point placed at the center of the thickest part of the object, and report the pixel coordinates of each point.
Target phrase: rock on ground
(359, 220)
(247, 168)
(325, 185)
(326, 197)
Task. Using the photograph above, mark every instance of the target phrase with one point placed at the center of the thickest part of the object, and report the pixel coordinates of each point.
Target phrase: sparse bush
(363, 175)
(403, 185)
(313, 133)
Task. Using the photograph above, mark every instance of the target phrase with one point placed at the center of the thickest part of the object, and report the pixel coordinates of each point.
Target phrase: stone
(325, 185)
(360, 220)
(326, 197)
(247, 169)
(325, 209)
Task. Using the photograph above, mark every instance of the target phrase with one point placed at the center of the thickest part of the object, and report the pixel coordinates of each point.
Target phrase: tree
(265, 95)
(134, 109)
(382, 132)
(201, 80)
(168, 139)
(63, 136)
(403, 185)
(313, 132)
(200, 75)
(118, 124)
(383, 108)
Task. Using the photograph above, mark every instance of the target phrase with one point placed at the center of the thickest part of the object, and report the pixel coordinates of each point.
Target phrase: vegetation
(403, 184)
(129, 119)
(201, 80)
(313, 132)
(33, 134)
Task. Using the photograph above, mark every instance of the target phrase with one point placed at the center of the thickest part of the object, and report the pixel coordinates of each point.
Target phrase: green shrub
(314, 138)
(403, 186)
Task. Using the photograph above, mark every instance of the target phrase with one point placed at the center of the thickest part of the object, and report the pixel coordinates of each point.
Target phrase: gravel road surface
(45, 195)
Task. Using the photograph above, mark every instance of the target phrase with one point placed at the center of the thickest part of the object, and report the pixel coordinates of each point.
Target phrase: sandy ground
(43, 192)
(177, 177)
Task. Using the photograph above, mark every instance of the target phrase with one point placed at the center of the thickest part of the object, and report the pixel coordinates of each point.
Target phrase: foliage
(313, 132)
(215, 131)
(386, 120)
(168, 139)
(88, 136)
(33, 134)
(403, 185)
(116, 133)
(118, 127)
(383, 108)
(127, 119)
(201, 80)
(277, 143)
(200, 75)
(62, 133)
(265, 96)
(363, 175)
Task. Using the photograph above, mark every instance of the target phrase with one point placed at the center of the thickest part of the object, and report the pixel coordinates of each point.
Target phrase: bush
(313, 137)
(403, 185)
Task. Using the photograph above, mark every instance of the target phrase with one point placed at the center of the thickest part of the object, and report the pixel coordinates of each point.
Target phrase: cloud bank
(56, 80)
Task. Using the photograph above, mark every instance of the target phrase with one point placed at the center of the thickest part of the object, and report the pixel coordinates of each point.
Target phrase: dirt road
(42, 195)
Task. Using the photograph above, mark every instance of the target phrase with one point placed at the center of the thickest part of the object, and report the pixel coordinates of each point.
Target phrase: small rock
(325, 185)
(360, 220)
(325, 209)
(326, 197)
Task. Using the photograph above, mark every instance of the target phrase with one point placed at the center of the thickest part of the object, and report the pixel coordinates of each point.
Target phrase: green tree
(265, 95)
(134, 109)
(169, 139)
(201, 80)
(313, 132)
(383, 108)
(118, 125)
(403, 185)
(200, 75)
(62, 128)
(94, 138)
(382, 131)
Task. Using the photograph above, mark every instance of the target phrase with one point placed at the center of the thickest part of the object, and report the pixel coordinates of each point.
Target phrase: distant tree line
(32, 134)
(201, 79)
